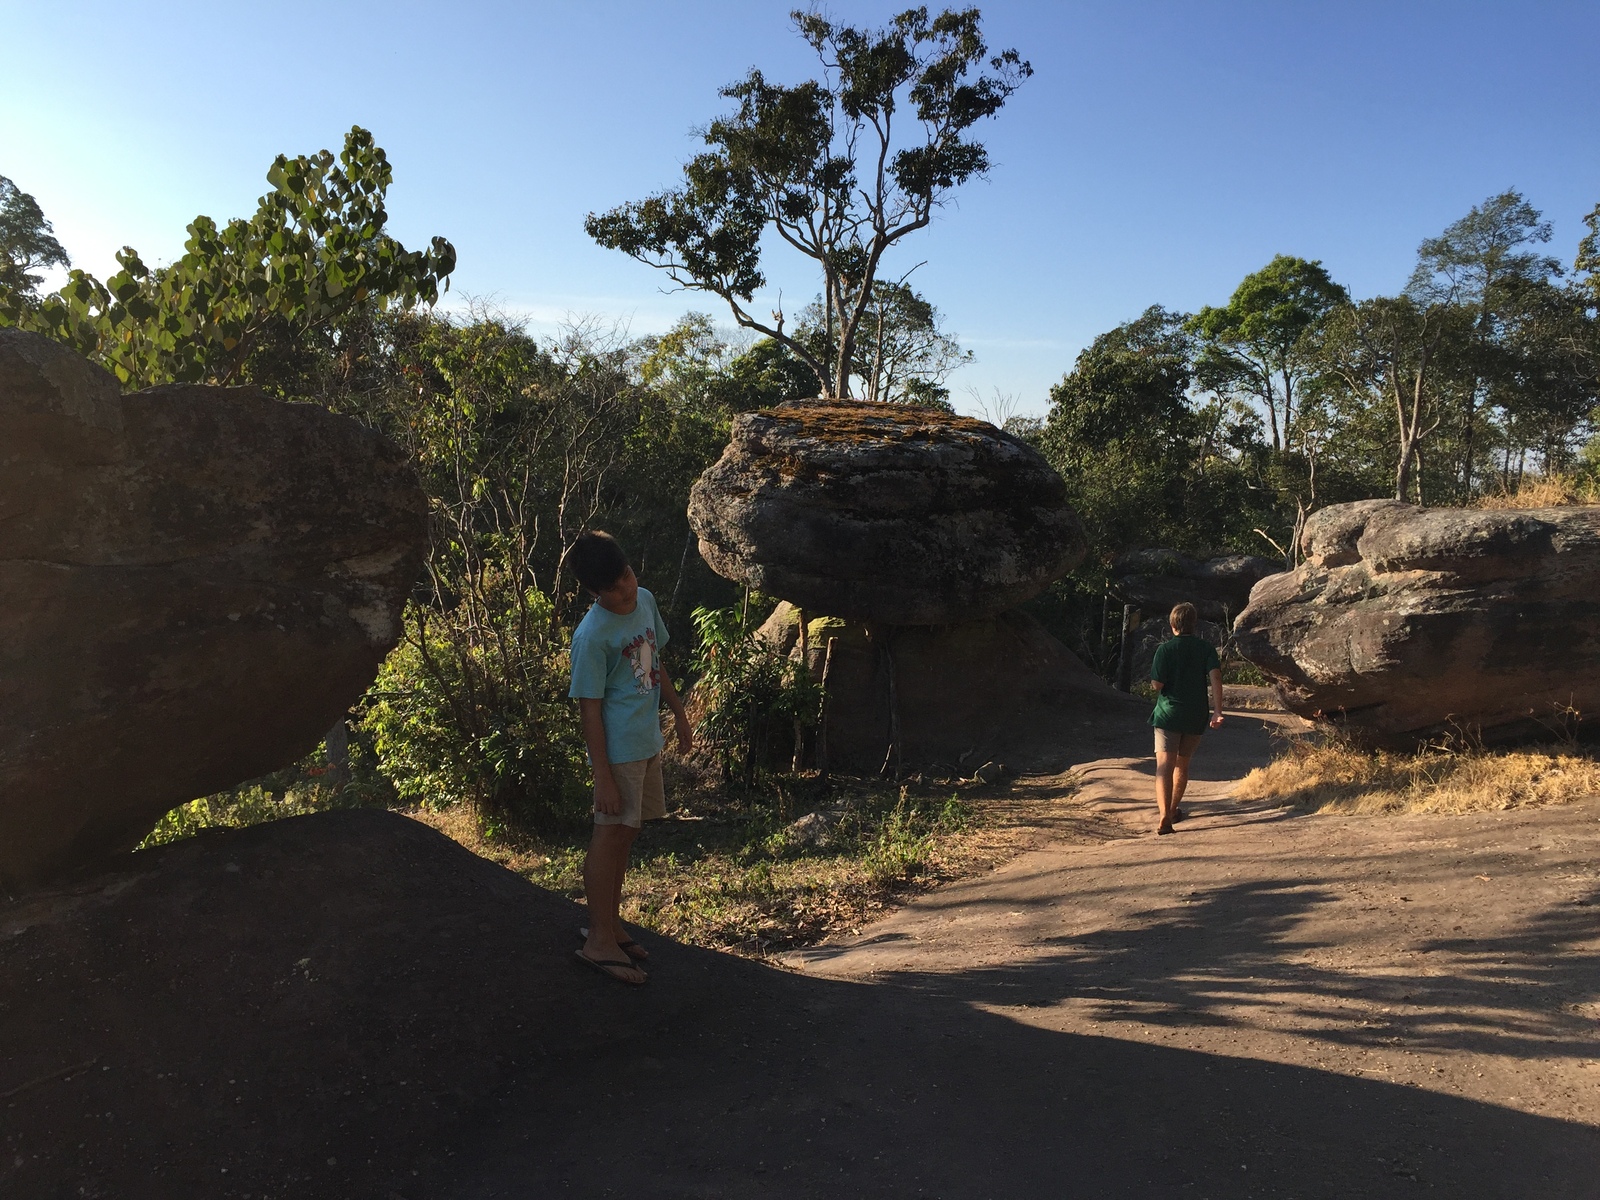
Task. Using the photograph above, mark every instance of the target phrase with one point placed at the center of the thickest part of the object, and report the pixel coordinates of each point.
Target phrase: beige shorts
(644, 797)
(1170, 741)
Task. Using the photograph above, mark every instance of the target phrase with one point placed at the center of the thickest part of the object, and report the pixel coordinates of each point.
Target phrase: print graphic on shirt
(641, 656)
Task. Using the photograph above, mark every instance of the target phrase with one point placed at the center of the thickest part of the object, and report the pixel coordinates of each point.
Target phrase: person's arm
(1216, 698)
(680, 717)
(606, 797)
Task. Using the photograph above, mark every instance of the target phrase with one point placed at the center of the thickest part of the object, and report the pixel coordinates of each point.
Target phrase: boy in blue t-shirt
(619, 685)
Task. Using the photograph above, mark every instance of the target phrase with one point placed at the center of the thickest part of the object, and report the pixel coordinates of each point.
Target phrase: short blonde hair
(1183, 617)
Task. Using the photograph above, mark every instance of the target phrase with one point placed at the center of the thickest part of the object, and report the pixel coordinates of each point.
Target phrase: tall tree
(1385, 354)
(1259, 345)
(825, 167)
(27, 245)
(1482, 262)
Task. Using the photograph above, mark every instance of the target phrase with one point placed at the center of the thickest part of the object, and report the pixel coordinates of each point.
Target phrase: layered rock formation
(195, 583)
(884, 513)
(1406, 623)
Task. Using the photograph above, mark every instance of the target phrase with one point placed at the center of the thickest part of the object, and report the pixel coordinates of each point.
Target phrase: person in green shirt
(1180, 672)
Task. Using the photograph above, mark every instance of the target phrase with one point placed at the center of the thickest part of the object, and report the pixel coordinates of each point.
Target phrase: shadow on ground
(773, 1084)
(350, 1005)
(1232, 954)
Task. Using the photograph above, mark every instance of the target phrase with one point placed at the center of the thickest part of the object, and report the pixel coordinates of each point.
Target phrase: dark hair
(597, 560)
(1183, 617)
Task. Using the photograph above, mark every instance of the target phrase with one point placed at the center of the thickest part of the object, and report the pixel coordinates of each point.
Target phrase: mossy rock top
(884, 513)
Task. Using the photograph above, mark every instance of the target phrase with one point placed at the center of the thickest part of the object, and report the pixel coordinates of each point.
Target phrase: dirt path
(351, 1005)
(1264, 1005)
(1459, 954)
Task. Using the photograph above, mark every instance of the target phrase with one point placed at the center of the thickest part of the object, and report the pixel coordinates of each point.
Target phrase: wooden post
(337, 747)
(1131, 617)
(799, 727)
(822, 719)
(893, 751)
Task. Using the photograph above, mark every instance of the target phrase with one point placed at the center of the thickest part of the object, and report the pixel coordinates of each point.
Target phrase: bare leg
(617, 929)
(1180, 779)
(603, 869)
(1166, 762)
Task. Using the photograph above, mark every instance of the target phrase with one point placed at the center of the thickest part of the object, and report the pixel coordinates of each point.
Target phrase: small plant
(748, 696)
(472, 708)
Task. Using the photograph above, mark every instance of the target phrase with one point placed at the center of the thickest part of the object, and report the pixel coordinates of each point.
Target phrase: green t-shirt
(1183, 666)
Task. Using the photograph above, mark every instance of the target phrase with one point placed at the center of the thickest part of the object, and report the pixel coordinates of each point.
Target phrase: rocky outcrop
(195, 583)
(1405, 624)
(999, 688)
(1153, 581)
(884, 513)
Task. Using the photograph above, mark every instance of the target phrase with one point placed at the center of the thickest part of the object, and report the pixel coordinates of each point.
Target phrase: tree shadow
(1235, 955)
(738, 1080)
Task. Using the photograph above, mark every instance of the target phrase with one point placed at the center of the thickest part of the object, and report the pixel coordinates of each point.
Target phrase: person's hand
(1216, 720)
(685, 732)
(607, 799)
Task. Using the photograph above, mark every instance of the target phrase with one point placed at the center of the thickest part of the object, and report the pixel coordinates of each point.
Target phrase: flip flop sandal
(627, 946)
(604, 966)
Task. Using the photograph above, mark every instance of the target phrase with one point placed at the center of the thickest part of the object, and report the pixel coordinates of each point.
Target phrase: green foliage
(1259, 346)
(1144, 467)
(27, 245)
(901, 354)
(313, 257)
(748, 696)
(308, 786)
(472, 708)
(819, 165)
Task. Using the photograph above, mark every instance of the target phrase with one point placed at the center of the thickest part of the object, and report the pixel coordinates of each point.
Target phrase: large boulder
(996, 688)
(1156, 580)
(195, 584)
(884, 513)
(1405, 624)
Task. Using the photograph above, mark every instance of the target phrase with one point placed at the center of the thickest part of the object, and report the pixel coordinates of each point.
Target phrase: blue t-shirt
(616, 659)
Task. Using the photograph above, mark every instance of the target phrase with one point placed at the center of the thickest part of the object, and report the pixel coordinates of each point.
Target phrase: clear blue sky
(1160, 152)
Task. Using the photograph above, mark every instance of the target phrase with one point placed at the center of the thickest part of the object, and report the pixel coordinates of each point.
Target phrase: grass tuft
(1332, 777)
(750, 880)
(1550, 491)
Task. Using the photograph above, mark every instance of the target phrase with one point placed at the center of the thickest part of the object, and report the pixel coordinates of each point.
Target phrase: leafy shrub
(749, 697)
(472, 708)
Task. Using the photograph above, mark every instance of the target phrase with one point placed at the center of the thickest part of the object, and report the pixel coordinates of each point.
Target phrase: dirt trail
(1455, 953)
(1264, 1005)
(350, 1005)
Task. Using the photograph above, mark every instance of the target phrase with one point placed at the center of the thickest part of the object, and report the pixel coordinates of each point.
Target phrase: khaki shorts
(1170, 741)
(644, 798)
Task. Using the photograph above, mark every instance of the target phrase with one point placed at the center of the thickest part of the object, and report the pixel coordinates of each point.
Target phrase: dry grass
(1554, 491)
(1331, 777)
(743, 881)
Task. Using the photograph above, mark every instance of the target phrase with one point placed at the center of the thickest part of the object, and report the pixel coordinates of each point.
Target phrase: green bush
(748, 696)
(472, 708)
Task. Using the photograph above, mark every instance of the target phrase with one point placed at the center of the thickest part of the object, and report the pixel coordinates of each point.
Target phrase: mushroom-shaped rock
(1405, 624)
(195, 584)
(884, 513)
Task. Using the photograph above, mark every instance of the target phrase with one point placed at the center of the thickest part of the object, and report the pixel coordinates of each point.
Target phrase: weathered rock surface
(1410, 623)
(884, 513)
(195, 583)
(1000, 688)
(1156, 580)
